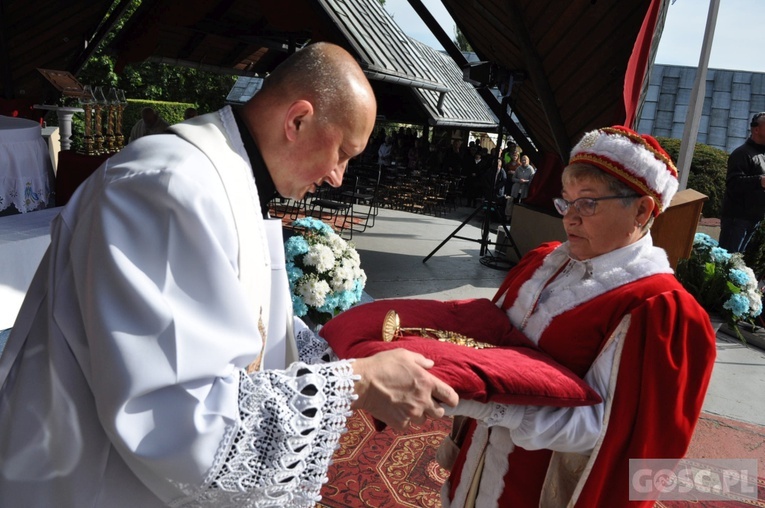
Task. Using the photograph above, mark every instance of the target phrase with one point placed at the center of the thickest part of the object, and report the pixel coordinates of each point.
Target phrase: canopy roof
(573, 55)
(571, 59)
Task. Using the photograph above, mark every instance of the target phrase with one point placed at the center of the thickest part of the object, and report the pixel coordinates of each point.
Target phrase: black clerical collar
(263, 180)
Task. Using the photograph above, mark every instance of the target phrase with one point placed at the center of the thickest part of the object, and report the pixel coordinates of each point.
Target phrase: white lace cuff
(290, 425)
(506, 415)
(312, 349)
(491, 413)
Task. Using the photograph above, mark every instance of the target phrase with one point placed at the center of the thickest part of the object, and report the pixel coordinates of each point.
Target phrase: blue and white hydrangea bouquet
(324, 271)
(721, 282)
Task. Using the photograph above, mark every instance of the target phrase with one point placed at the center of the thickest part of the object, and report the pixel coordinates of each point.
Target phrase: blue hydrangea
(299, 306)
(313, 224)
(704, 240)
(294, 273)
(738, 304)
(719, 255)
(295, 246)
(347, 299)
(738, 277)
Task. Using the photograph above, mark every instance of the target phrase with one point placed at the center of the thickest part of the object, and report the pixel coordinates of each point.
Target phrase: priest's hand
(396, 387)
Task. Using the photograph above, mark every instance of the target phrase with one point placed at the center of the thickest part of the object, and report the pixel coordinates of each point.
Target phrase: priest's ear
(298, 113)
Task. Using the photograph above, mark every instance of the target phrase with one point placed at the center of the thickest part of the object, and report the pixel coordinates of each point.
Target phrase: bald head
(313, 114)
(149, 116)
(324, 74)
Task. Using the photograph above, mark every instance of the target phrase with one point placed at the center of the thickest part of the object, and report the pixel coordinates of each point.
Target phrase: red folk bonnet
(636, 159)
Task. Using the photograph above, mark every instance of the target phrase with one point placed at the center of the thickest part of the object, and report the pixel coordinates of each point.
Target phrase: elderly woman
(522, 179)
(605, 304)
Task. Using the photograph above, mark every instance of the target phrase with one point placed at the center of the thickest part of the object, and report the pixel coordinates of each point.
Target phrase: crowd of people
(482, 172)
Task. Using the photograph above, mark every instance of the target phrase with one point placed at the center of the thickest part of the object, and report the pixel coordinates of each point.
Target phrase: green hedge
(172, 112)
(708, 168)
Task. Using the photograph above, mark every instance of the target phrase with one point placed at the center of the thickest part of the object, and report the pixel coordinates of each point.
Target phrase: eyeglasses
(756, 119)
(585, 206)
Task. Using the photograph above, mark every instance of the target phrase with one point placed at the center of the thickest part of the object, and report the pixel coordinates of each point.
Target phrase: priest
(133, 376)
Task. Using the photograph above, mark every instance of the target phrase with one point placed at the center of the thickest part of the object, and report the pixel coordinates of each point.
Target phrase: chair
(280, 207)
(435, 197)
(329, 206)
(363, 195)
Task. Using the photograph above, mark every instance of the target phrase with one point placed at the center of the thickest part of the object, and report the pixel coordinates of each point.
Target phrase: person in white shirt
(133, 375)
(150, 123)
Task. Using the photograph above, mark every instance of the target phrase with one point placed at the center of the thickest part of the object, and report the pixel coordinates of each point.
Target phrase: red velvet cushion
(515, 373)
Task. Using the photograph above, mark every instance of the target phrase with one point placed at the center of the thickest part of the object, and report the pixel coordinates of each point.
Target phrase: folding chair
(363, 196)
(328, 206)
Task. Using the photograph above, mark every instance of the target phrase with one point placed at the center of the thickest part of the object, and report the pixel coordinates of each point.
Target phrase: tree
(707, 174)
(155, 81)
(461, 41)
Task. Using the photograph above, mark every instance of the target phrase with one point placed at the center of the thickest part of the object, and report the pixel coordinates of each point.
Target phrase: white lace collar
(603, 273)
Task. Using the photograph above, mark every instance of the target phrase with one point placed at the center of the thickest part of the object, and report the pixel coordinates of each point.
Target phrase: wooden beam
(453, 51)
(538, 76)
(107, 25)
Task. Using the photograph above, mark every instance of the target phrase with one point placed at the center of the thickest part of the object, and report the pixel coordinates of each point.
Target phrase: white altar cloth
(26, 171)
(23, 241)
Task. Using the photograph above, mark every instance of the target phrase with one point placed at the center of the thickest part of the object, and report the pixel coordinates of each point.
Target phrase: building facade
(731, 98)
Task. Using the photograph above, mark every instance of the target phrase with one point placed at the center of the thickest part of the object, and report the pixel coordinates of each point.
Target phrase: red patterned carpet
(720, 437)
(386, 469)
(389, 470)
(731, 502)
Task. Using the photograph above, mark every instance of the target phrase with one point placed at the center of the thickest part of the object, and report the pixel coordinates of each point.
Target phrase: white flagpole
(696, 104)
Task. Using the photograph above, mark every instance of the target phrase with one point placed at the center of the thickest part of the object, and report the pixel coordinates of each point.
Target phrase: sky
(737, 33)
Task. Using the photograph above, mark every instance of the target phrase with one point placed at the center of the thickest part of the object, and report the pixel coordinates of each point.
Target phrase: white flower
(321, 257)
(343, 278)
(752, 282)
(354, 267)
(313, 291)
(338, 245)
(755, 302)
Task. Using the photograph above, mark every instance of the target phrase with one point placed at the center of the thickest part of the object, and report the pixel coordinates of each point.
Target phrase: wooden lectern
(675, 228)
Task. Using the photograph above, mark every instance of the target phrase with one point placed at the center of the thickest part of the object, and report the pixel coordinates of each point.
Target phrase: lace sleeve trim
(290, 425)
(312, 348)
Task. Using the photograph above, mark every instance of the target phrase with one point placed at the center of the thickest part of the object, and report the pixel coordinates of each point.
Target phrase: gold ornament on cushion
(392, 331)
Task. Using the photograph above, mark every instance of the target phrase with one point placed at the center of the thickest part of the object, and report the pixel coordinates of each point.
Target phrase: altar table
(73, 169)
(65, 115)
(23, 241)
(26, 171)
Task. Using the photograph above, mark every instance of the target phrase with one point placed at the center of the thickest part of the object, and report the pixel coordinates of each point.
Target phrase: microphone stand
(499, 262)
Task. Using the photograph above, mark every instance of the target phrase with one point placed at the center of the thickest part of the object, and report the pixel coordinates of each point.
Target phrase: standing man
(744, 202)
(150, 123)
(132, 376)
(190, 113)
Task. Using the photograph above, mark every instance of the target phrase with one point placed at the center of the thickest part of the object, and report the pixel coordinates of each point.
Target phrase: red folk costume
(662, 365)
(625, 324)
